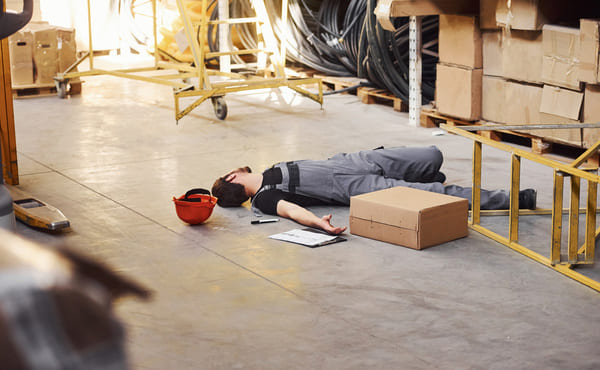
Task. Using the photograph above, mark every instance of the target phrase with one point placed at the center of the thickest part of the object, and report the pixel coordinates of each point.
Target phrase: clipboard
(308, 237)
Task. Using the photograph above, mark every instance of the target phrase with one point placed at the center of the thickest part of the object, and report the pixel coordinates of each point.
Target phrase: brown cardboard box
(487, 14)
(528, 14)
(562, 106)
(45, 54)
(405, 8)
(589, 50)
(561, 102)
(493, 96)
(522, 103)
(409, 217)
(560, 63)
(458, 91)
(21, 58)
(460, 41)
(522, 56)
(591, 114)
(67, 48)
(388, 9)
(572, 136)
(492, 53)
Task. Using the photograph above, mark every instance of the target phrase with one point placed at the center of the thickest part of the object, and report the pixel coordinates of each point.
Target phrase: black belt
(294, 176)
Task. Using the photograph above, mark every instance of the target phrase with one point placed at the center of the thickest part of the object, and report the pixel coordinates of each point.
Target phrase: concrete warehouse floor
(227, 296)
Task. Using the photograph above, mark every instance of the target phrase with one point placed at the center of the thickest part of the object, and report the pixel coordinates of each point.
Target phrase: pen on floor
(266, 220)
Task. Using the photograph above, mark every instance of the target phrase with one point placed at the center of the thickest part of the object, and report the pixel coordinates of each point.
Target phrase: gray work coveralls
(347, 174)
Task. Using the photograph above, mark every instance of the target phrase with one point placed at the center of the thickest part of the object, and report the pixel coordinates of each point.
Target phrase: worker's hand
(325, 224)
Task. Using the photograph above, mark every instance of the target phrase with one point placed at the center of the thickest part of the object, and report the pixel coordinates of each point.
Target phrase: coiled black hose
(343, 38)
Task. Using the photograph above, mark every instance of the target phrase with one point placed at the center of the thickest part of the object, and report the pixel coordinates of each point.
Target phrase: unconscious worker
(287, 187)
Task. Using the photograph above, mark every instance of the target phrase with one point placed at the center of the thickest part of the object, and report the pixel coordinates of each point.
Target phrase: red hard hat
(195, 206)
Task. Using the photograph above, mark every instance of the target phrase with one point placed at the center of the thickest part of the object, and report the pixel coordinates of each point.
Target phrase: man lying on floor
(287, 187)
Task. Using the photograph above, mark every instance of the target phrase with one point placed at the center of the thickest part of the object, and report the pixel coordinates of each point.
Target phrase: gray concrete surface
(226, 296)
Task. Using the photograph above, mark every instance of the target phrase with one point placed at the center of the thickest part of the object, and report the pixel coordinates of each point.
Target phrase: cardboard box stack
(40, 51)
(531, 67)
(459, 71)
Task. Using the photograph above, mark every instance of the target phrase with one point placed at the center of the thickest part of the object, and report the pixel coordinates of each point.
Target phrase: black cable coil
(343, 38)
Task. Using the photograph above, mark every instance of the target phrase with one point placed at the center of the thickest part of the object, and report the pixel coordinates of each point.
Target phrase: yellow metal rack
(205, 89)
(576, 255)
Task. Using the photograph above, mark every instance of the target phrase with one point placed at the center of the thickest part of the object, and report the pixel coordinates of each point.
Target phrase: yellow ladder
(576, 255)
(268, 49)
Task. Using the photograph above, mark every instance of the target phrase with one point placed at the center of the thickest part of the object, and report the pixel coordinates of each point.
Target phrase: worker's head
(229, 191)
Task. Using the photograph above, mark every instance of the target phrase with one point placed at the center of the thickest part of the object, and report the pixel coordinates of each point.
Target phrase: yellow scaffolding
(576, 255)
(205, 88)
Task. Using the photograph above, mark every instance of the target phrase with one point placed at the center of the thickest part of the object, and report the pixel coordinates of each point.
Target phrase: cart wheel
(61, 89)
(220, 107)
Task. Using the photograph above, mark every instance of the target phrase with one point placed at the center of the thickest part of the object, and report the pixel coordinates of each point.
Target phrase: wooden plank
(10, 169)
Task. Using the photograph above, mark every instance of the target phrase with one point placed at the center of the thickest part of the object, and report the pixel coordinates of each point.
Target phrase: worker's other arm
(306, 217)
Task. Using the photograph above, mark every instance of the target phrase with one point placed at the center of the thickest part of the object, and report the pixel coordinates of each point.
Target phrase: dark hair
(229, 194)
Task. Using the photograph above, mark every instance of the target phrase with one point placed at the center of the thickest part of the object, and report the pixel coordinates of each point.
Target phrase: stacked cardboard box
(39, 52)
(530, 67)
(589, 73)
(459, 72)
(21, 57)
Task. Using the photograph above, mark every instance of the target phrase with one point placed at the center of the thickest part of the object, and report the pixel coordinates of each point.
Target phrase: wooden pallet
(539, 145)
(339, 83)
(40, 90)
(370, 95)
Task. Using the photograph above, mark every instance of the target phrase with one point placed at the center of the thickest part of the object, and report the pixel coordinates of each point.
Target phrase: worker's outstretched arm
(306, 217)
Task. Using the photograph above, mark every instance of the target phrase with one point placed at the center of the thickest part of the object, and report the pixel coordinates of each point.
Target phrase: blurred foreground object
(56, 308)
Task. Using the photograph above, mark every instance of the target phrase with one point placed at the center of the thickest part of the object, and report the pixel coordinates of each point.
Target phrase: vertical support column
(590, 222)
(515, 187)
(574, 219)
(91, 47)
(8, 169)
(557, 203)
(224, 36)
(414, 71)
(283, 36)
(154, 33)
(476, 189)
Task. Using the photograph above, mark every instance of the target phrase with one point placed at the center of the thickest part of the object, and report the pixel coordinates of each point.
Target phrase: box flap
(561, 102)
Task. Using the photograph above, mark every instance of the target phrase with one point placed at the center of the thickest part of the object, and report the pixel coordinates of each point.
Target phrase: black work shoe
(439, 177)
(527, 198)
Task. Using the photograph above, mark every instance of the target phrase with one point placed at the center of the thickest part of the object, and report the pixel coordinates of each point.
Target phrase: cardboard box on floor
(458, 91)
(460, 41)
(21, 58)
(409, 217)
(561, 63)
